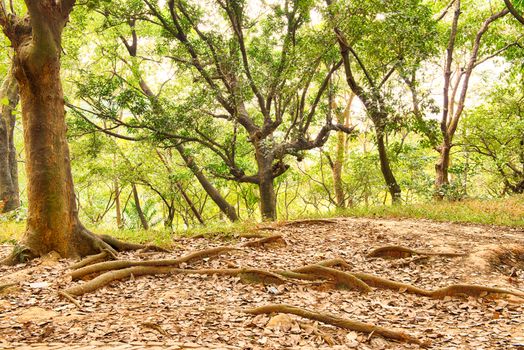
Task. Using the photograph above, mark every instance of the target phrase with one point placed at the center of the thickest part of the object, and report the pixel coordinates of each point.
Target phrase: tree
(157, 107)
(271, 89)
(52, 222)
(495, 131)
(9, 191)
(452, 109)
(376, 39)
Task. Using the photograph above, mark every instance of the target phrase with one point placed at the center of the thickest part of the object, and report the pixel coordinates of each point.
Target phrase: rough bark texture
(211, 190)
(9, 191)
(385, 167)
(268, 199)
(52, 222)
(340, 154)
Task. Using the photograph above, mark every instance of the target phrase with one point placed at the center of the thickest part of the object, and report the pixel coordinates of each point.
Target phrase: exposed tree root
(473, 291)
(247, 275)
(341, 279)
(90, 260)
(6, 285)
(326, 263)
(337, 321)
(121, 246)
(307, 222)
(274, 239)
(397, 252)
(121, 264)
(115, 275)
(456, 290)
(384, 283)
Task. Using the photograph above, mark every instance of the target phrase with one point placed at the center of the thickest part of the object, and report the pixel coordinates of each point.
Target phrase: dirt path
(202, 310)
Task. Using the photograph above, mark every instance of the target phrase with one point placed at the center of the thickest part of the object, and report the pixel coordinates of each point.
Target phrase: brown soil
(210, 309)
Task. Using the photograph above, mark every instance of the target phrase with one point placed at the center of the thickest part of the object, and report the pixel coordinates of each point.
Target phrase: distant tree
(9, 190)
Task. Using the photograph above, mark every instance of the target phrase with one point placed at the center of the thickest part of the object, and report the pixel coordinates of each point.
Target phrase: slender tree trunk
(385, 166)
(143, 220)
(9, 191)
(211, 190)
(118, 205)
(340, 155)
(190, 203)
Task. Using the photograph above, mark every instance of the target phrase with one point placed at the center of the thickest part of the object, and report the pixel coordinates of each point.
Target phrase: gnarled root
(247, 275)
(397, 252)
(122, 264)
(274, 239)
(472, 291)
(454, 290)
(121, 246)
(336, 321)
(91, 259)
(341, 279)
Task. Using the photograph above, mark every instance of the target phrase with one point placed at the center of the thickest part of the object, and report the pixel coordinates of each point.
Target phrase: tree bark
(143, 220)
(211, 190)
(385, 166)
(268, 200)
(340, 154)
(9, 191)
(189, 202)
(118, 206)
(52, 222)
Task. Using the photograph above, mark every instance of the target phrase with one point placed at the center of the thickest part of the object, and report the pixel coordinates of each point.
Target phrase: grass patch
(503, 212)
(11, 231)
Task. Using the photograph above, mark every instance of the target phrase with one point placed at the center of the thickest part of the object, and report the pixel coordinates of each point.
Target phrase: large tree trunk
(211, 190)
(52, 222)
(9, 192)
(52, 219)
(268, 200)
(385, 166)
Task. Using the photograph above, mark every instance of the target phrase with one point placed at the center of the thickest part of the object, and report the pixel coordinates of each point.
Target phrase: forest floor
(207, 311)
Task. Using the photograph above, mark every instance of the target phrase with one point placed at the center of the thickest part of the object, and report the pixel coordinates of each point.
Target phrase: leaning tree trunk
(210, 189)
(9, 191)
(385, 166)
(268, 200)
(142, 217)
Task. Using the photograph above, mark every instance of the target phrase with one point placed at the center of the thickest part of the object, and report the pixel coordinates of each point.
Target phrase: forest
(244, 174)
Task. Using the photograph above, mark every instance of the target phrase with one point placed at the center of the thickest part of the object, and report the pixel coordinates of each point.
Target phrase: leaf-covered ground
(209, 310)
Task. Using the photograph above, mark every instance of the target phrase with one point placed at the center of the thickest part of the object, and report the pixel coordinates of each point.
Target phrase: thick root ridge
(91, 259)
(454, 290)
(121, 246)
(121, 264)
(397, 252)
(274, 239)
(341, 279)
(337, 321)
